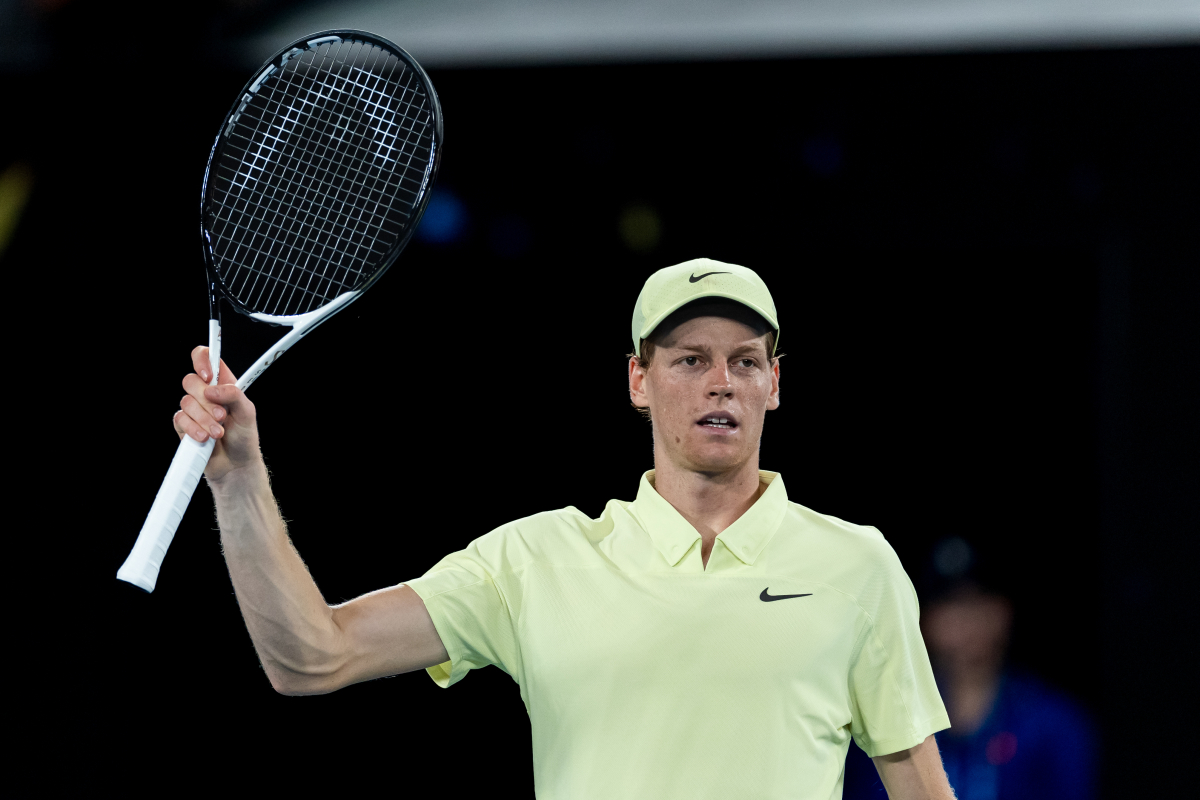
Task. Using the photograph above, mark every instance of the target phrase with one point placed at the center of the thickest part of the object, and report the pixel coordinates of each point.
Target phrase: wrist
(242, 479)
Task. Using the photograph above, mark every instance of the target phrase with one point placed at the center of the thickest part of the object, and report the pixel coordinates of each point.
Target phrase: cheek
(670, 395)
(757, 394)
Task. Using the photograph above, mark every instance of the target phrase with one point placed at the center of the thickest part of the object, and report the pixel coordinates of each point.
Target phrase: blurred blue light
(823, 155)
(445, 220)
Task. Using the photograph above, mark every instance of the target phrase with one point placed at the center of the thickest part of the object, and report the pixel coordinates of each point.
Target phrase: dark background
(985, 267)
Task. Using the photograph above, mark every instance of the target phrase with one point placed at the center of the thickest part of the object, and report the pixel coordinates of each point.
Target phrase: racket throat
(301, 325)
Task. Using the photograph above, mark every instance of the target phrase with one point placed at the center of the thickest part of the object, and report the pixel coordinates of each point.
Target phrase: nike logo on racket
(766, 598)
(696, 278)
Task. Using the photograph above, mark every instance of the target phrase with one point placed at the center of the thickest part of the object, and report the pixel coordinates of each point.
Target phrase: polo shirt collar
(746, 538)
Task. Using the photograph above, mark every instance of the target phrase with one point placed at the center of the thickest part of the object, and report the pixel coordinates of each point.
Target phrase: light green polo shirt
(646, 675)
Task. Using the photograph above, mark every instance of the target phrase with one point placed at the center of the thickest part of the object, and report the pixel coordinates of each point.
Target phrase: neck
(711, 502)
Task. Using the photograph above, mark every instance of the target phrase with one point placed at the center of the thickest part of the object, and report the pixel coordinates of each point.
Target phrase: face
(709, 385)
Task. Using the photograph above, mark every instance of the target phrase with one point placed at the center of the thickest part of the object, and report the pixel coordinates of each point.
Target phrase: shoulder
(836, 541)
(844, 532)
(854, 559)
(561, 535)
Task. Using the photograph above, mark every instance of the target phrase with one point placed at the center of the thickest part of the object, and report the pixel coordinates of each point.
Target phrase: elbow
(294, 684)
(287, 689)
(306, 667)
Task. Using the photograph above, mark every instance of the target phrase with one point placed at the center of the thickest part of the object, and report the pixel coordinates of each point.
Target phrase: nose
(719, 384)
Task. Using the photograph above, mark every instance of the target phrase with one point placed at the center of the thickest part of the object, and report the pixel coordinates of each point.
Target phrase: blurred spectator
(1012, 736)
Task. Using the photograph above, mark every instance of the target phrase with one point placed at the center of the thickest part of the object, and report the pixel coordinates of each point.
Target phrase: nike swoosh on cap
(766, 598)
(696, 278)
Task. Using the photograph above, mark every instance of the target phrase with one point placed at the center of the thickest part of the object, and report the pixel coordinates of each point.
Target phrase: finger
(189, 426)
(175, 424)
(229, 397)
(195, 387)
(200, 416)
(200, 363)
(203, 368)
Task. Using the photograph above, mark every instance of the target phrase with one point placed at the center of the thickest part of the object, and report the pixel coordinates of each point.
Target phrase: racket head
(319, 175)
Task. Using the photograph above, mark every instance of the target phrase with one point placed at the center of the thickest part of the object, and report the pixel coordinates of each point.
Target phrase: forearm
(290, 623)
(915, 774)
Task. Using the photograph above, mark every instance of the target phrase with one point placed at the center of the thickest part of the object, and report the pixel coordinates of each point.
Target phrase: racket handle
(141, 568)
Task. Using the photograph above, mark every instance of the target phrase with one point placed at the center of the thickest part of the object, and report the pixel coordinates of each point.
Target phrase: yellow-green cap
(673, 287)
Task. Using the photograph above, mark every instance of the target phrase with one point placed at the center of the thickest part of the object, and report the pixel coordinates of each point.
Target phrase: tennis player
(710, 639)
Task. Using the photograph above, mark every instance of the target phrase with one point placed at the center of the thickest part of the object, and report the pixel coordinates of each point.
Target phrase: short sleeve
(895, 701)
(469, 611)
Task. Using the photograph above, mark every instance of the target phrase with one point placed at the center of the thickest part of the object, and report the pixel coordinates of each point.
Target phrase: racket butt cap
(133, 579)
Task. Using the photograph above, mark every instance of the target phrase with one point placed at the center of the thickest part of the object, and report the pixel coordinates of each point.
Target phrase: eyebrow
(749, 347)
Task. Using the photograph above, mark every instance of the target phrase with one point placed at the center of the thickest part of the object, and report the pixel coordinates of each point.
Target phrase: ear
(773, 397)
(637, 384)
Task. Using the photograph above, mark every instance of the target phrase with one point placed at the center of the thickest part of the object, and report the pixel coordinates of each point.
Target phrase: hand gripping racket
(317, 180)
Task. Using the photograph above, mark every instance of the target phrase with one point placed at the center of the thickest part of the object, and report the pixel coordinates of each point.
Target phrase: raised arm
(306, 646)
(915, 773)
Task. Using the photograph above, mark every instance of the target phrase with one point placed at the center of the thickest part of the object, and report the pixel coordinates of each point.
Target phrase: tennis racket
(316, 182)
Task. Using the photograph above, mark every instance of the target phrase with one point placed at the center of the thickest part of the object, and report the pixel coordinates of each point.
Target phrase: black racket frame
(216, 288)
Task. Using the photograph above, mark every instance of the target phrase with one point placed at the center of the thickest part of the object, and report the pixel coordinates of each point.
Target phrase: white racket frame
(145, 560)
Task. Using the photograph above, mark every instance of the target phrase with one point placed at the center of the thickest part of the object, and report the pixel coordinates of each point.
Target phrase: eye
(690, 361)
(746, 362)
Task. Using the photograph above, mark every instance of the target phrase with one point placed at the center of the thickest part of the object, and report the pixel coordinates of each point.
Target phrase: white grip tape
(145, 560)
(141, 568)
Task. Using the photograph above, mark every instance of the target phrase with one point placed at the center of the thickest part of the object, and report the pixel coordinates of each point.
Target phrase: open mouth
(719, 421)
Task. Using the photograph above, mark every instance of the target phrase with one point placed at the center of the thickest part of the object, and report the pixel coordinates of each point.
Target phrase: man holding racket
(710, 639)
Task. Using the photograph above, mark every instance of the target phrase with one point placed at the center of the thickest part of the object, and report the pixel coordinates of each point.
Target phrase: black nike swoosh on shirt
(696, 278)
(766, 598)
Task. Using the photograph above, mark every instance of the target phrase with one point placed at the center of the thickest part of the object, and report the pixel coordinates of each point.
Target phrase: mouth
(718, 421)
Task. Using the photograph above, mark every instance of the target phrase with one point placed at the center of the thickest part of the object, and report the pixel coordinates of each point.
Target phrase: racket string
(311, 199)
(233, 258)
(307, 210)
(362, 184)
(337, 125)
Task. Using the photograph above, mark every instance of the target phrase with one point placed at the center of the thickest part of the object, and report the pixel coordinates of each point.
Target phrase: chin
(716, 462)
